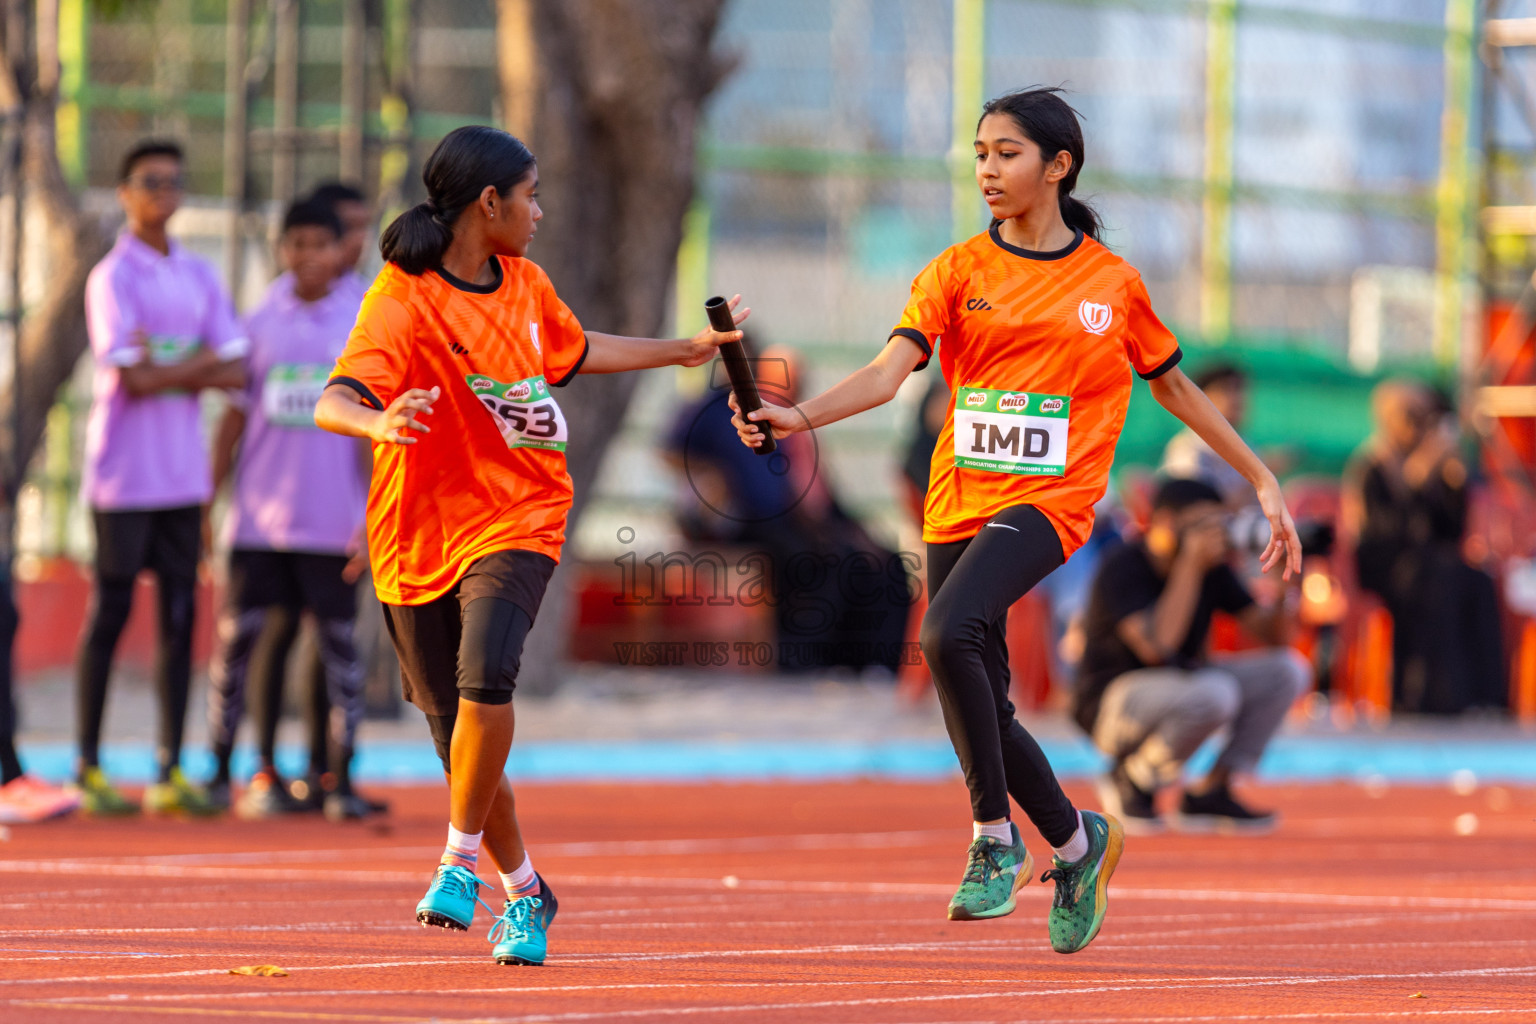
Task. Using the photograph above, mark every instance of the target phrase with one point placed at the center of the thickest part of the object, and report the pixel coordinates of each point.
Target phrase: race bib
(290, 392)
(1011, 431)
(524, 411)
(170, 349)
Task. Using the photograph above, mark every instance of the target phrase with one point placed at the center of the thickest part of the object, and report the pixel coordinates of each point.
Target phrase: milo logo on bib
(524, 411)
(1012, 432)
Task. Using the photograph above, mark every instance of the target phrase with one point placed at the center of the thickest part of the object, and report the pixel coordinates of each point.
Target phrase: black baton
(739, 368)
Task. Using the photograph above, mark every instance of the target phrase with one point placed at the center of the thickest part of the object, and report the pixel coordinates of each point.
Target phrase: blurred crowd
(1163, 626)
(163, 329)
(1132, 620)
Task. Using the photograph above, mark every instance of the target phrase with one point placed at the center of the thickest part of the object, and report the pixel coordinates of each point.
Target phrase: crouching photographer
(1147, 691)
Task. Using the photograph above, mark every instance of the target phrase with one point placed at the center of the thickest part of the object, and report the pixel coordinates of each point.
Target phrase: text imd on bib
(525, 412)
(1011, 431)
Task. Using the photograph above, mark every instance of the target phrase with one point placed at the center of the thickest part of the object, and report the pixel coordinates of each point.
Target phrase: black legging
(257, 652)
(972, 584)
(173, 664)
(490, 653)
(10, 765)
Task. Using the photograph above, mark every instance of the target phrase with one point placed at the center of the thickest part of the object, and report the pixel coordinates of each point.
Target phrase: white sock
(1002, 832)
(1076, 848)
(463, 848)
(522, 882)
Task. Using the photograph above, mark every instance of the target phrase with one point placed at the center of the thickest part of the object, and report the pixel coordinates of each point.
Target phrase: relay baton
(739, 369)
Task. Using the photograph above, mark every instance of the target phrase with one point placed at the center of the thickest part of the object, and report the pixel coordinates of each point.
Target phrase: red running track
(775, 903)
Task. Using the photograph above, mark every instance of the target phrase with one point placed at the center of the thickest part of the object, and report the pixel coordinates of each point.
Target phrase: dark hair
(1220, 373)
(145, 149)
(467, 160)
(311, 213)
(1050, 123)
(333, 192)
(1179, 494)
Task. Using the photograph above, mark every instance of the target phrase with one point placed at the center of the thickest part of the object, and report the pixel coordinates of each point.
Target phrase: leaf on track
(260, 971)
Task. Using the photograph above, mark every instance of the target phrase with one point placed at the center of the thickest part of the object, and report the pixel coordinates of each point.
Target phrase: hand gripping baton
(739, 368)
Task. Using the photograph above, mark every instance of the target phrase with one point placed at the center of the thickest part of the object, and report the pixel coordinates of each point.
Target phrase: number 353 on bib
(524, 411)
(1016, 432)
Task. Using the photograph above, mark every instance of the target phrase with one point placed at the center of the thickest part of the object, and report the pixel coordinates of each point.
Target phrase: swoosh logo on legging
(1005, 526)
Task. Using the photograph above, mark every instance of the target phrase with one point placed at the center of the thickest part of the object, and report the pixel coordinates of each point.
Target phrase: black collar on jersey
(1032, 254)
(467, 286)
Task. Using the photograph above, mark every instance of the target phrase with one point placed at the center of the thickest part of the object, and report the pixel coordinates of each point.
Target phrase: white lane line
(1016, 994)
(1175, 981)
(1140, 985)
(774, 885)
(1529, 1012)
(621, 848)
(299, 926)
(1321, 899)
(479, 959)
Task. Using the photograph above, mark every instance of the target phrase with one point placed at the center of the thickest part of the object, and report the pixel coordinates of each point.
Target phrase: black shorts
(428, 636)
(167, 541)
(292, 579)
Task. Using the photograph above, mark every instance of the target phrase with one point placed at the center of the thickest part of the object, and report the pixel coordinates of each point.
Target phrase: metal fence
(1249, 156)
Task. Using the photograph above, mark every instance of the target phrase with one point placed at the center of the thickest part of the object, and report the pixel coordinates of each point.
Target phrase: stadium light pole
(1216, 204)
(968, 73)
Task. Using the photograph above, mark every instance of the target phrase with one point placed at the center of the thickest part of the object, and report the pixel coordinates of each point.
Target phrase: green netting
(1304, 401)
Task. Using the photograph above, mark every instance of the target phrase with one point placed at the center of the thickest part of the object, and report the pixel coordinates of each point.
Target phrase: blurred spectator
(1405, 505)
(1149, 694)
(357, 228)
(917, 460)
(1188, 457)
(281, 629)
(162, 328)
(840, 597)
(296, 519)
(23, 798)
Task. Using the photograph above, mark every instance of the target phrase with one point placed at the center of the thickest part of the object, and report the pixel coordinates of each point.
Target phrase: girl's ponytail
(416, 240)
(1079, 215)
(463, 164)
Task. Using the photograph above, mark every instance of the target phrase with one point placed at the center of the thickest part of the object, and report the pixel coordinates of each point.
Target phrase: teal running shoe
(450, 901)
(993, 873)
(520, 933)
(1082, 889)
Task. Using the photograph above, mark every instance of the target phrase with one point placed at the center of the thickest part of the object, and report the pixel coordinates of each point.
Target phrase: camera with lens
(1248, 533)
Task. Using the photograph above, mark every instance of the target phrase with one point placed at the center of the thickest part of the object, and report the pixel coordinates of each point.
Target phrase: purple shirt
(297, 487)
(149, 452)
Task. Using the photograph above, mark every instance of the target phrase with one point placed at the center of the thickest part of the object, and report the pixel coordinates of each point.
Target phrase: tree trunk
(53, 333)
(608, 95)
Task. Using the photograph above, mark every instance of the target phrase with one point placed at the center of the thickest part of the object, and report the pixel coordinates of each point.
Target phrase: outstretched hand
(400, 416)
(703, 346)
(781, 419)
(1284, 545)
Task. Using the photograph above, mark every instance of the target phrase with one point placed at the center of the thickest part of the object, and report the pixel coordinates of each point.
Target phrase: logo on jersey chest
(975, 304)
(1095, 316)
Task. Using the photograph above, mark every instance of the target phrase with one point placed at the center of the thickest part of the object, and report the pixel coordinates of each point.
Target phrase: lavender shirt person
(297, 487)
(148, 452)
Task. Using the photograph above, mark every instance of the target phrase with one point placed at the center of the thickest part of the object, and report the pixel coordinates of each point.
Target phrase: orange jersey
(491, 474)
(1037, 349)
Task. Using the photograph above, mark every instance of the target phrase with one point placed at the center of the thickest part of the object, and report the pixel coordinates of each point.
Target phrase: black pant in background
(10, 765)
(168, 542)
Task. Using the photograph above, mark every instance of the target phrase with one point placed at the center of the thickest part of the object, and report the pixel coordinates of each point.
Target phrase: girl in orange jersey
(1041, 326)
(466, 516)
